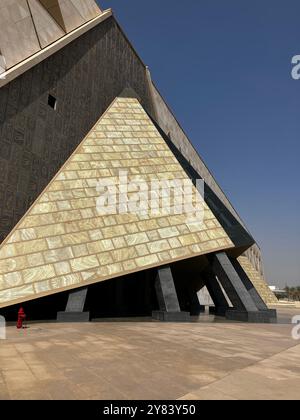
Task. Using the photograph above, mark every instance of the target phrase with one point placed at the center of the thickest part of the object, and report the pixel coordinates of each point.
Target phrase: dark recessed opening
(52, 101)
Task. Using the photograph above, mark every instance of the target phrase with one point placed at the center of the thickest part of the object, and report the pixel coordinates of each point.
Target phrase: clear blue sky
(224, 67)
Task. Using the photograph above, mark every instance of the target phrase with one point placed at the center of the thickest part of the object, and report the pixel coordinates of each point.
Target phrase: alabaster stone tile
(196, 249)
(123, 254)
(13, 264)
(196, 226)
(129, 265)
(37, 245)
(142, 250)
(66, 216)
(164, 256)
(168, 232)
(81, 250)
(50, 230)
(119, 242)
(75, 238)
(114, 269)
(56, 255)
(113, 231)
(7, 251)
(188, 239)
(63, 205)
(132, 228)
(27, 234)
(210, 224)
(146, 260)
(42, 286)
(60, 195)
(84, 263)
(153, 235)
(224, 242)
(65, 281)
(54, 242)
(15, 237)
(158, 246)
(174, 242)
(136, 239)
(34, 259)
(109, 220)
(163, 222)
(34, 274)
(105, 258)
(62, 268)
(43, 208)
(203, 236)
(179, 252)
(79, 193)
(95, 235)
(16, 293)
(12, 279)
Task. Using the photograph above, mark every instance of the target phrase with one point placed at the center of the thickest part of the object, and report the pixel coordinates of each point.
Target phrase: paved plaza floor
(152, 360)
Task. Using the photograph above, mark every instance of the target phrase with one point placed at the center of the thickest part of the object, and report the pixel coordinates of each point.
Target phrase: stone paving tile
(150, 361)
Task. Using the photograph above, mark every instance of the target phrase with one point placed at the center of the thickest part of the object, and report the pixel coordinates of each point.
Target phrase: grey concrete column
(74, 308)
(260, 304)
(167, 298)
(244, 307)
(216, 293)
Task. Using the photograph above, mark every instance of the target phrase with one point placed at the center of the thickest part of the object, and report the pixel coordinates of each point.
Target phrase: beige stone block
(65, 281)
(158, 246)
(16, 293)
(34, 259)
(174, 243)
(81, 250)
(146, 260)
(75, 238)
(114, 269)
(12, 279)
(105, 258)
(188, 239)
(43, 208)
(63, 205)
(136, 239)
(179, 253)
(50, 230)
(142, 250)
(153, 235)
(113, 231)
(168, 232)
(43, 286)
(56, 255)
(129, 265)
(203, 236)
(84, 263)
(132, 228)
(123, 254)
(119, 242)
(62, 268)
(43, 272)
(54, 242)
(7, 251)
(23, 248)
(27, 234)
(164, 256)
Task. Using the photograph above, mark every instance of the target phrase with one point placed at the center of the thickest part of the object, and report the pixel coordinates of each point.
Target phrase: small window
(52, 101)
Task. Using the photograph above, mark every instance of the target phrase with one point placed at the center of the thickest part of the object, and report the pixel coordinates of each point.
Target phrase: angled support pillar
(196, 307)
(167, 298)
(244, 307)
(260, 304)
(216, 293)
(75, 306)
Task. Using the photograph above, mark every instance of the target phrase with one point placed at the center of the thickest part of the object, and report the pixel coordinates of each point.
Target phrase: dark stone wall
(35, 139)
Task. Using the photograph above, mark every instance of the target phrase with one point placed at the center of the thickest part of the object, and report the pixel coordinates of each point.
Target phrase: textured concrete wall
(35, 140)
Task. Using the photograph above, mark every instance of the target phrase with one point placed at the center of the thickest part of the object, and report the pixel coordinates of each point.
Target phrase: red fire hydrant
(21, 318)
